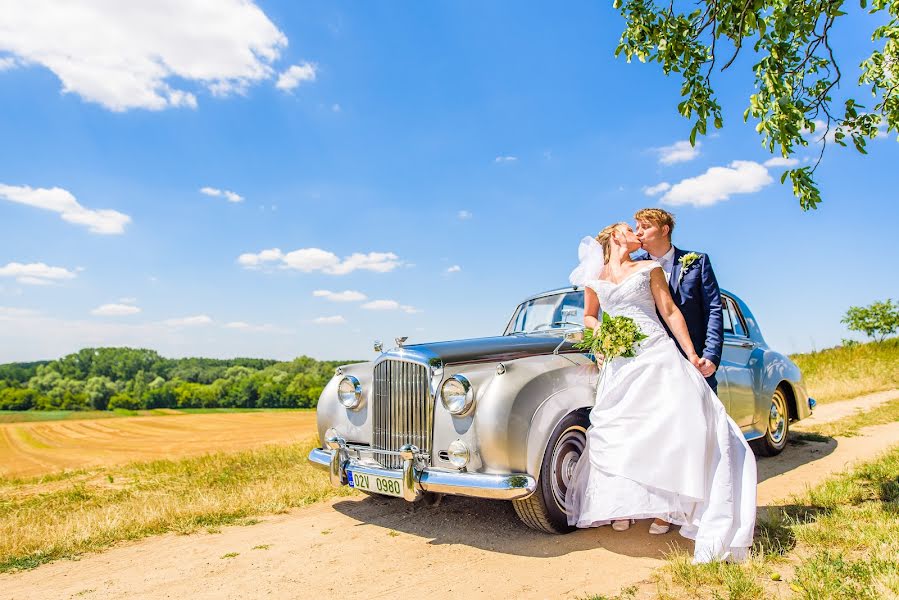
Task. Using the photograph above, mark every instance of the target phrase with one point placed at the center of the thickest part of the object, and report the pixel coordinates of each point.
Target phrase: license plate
(375, 483)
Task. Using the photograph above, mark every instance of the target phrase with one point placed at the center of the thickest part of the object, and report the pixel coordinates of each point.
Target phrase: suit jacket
(696, 293)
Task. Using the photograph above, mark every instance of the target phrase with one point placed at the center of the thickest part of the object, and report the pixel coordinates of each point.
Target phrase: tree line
(138, 378)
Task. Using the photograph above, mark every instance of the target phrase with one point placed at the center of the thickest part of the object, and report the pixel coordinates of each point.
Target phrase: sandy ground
(825, 413)
(38, 448)
(384, 548)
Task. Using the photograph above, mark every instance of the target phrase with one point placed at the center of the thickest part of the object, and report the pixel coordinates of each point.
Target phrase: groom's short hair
(657, 217)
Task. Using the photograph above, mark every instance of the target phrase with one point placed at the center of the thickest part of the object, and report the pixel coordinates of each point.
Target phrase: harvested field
(42, 448)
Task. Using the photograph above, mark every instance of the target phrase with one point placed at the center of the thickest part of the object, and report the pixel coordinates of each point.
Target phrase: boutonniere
(685, 261)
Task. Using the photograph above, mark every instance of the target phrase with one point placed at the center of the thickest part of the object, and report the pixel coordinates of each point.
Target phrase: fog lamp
(458, 452)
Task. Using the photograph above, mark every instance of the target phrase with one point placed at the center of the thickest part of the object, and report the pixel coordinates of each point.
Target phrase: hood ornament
(400, 341)
(379, 346)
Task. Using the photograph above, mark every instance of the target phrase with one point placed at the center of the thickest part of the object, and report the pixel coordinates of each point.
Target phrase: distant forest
(136, 378)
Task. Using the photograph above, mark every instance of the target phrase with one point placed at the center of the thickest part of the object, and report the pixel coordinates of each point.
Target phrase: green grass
(49, 518)
(24, 416)
(838, 540)
(848, 371)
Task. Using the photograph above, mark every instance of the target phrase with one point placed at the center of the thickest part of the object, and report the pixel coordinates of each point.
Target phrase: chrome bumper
(413, 480)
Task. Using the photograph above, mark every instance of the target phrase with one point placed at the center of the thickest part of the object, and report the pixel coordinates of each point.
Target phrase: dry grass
(61, 517)
(848, 371)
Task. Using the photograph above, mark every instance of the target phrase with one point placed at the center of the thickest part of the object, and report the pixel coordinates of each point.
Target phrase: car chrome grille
(402, 411)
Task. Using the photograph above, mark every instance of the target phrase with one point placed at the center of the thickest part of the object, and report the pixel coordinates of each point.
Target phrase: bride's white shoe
(656, 529)
(622, 524)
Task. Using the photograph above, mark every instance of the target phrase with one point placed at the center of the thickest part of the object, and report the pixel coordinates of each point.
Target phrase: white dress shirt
(667, 262)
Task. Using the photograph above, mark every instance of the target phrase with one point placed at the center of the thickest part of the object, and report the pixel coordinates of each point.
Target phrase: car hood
(497, 348)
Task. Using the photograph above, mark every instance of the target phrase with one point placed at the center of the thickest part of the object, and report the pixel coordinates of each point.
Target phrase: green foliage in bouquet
(618, 336)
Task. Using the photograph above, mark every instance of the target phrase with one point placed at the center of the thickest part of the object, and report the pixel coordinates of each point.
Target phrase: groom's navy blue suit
(698, 297)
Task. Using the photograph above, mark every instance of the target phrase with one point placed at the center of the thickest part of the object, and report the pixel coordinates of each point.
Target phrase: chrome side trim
(511, 486)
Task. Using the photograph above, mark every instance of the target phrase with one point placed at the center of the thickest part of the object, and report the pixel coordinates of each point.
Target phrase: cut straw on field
(51, 518)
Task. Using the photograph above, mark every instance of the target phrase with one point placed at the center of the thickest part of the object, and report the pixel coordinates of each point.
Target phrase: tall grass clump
(851, 370)
(44, 519)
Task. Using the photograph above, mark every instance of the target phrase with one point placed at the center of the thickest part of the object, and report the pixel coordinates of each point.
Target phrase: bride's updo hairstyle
(605, 238)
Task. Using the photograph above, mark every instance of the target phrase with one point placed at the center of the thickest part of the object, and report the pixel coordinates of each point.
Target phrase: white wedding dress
(660, 443)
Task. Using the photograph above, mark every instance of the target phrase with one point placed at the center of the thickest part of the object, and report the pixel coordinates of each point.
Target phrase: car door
(736, 363)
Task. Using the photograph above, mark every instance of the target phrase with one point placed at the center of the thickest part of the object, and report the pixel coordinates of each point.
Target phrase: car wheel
(544, 510)
(777, 428)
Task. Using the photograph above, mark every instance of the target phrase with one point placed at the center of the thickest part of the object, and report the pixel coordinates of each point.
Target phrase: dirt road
(383, 548)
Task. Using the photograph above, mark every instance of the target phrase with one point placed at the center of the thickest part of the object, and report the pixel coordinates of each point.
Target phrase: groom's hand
(707, 367)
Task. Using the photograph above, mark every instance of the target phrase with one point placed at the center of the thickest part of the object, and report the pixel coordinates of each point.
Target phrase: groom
(693, 287)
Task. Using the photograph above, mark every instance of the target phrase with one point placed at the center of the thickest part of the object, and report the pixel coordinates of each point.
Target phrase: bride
(660, 443)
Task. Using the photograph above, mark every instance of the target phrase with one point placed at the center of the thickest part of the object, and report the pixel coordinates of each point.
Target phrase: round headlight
(457, 395)
(459, 454)
(349, 392)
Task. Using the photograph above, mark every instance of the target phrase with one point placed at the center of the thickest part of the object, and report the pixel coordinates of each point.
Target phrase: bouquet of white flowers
(618, 336)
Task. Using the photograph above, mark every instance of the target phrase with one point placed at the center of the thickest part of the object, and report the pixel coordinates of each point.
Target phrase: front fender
(777, 368)
(522, 407)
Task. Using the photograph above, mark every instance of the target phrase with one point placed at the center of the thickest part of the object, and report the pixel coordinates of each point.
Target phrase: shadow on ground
(493, 525)
(801, 449)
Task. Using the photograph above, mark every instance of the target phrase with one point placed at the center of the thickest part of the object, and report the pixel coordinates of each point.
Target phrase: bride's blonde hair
(605, 237)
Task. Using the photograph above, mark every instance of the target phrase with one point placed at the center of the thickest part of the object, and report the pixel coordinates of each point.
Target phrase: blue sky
(441, 159)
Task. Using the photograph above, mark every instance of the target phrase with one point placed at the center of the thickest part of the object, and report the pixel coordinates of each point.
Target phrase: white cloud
(335, 320)
(115, 310)
(36, 273)
(678, 152)
(464, 214)
(63, 202)
(779, 161)
(217, 193)
(656, 189)
(308, 260)
(454, 269)
(126, 55)
(250, 260)
(188, 321)
(295, 75)
(390, 305)
(7, 63)
(719, 183)
(345, 296)
(505, 159)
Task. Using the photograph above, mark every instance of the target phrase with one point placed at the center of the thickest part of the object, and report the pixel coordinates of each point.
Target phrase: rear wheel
(544, 510)
(777, 428)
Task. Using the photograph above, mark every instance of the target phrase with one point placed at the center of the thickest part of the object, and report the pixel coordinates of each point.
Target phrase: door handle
(739, 343)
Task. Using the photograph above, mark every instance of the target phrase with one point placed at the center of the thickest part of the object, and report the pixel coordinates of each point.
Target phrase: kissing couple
(660, 444)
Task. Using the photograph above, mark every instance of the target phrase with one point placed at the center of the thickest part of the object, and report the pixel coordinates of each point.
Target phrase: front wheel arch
(544, 509)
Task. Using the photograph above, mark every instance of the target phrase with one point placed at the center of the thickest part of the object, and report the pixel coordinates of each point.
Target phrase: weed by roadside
(46, 519)
(838, 540)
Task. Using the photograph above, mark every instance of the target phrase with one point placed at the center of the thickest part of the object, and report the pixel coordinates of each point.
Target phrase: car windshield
(558, 311)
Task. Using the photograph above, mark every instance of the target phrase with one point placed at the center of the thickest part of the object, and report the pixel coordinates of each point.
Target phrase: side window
(725, 316)
(736, 319)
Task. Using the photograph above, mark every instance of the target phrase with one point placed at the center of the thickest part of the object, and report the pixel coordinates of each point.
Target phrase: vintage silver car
(505, 417)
